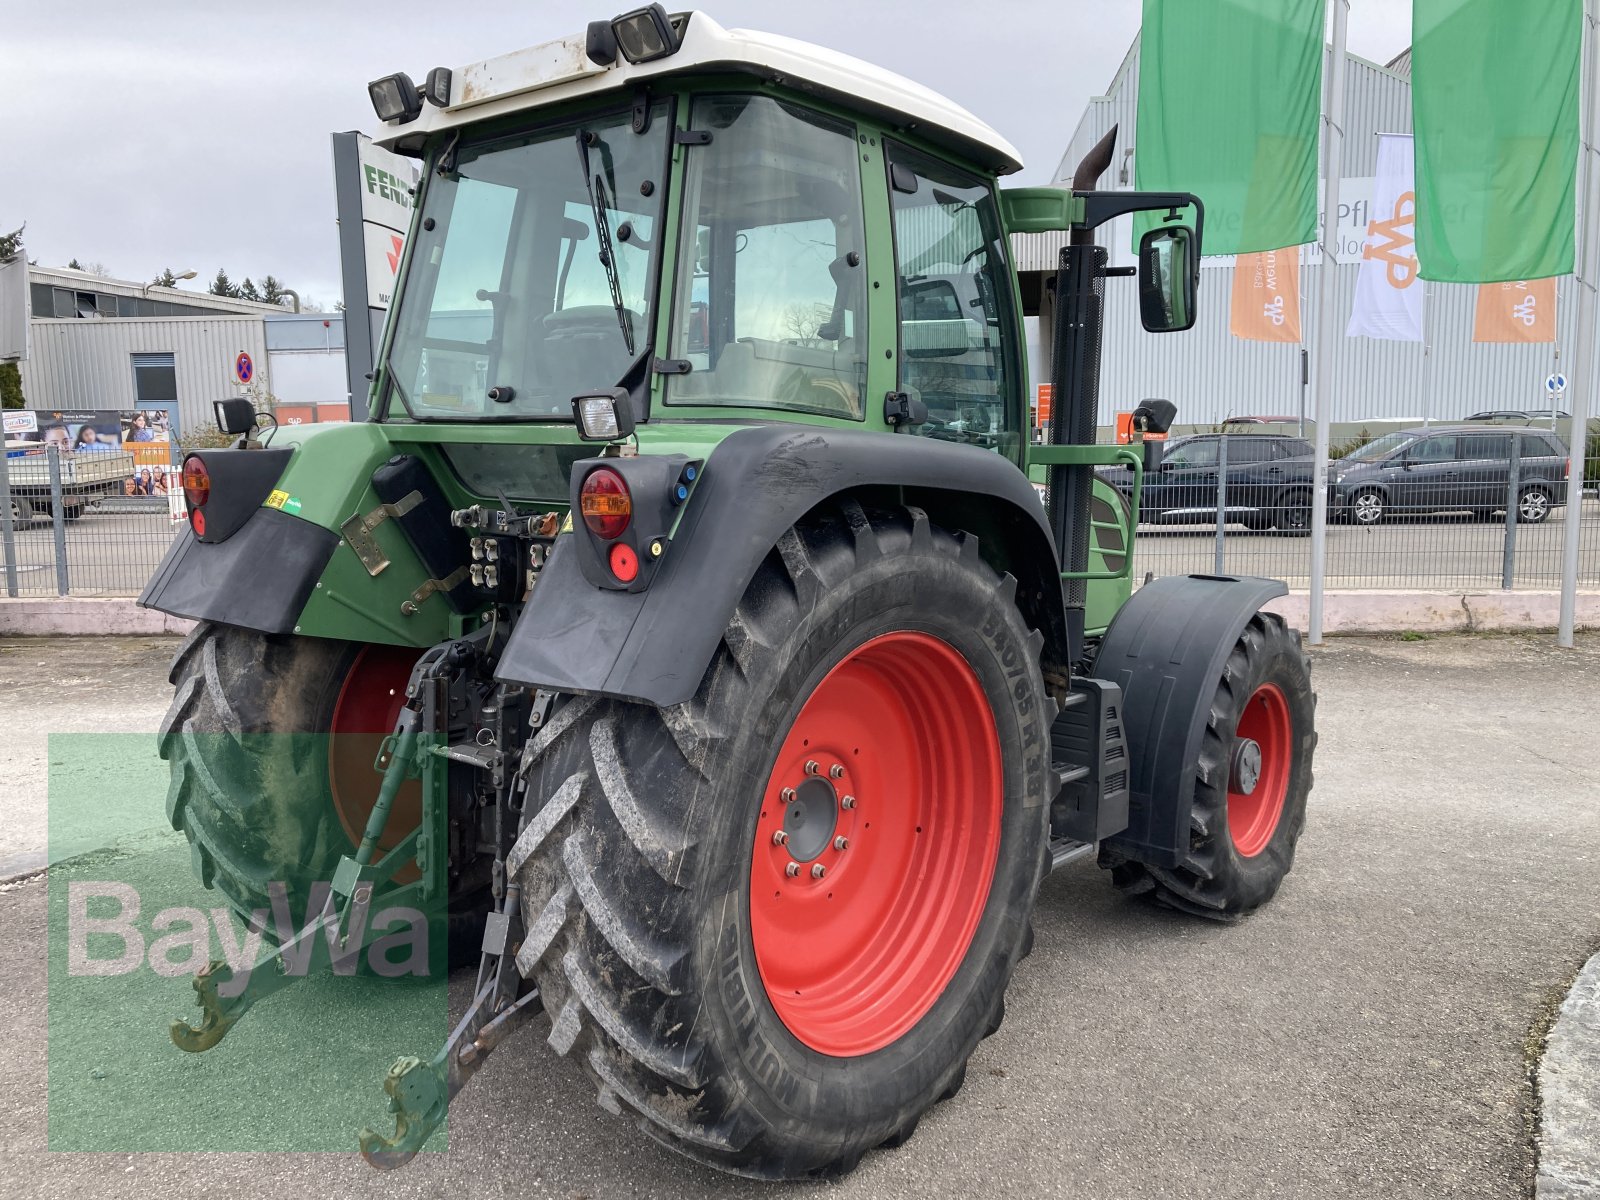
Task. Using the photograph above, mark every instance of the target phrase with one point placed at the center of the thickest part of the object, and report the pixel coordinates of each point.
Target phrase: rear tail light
(606, 503)
(196, 491)
(196, 482)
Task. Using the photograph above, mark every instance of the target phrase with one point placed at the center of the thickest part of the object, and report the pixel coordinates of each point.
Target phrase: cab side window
(953, 286)
(770, 310)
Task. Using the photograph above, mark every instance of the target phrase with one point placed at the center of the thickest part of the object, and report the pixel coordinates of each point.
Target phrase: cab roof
(561, 70)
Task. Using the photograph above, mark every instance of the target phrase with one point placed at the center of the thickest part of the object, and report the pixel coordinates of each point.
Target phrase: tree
(801, 322)
(271, 290)
(74, 265)
(10, 244)
(11, 386)
(98, 268)
(222, 285)
(165, 279)
(247, 290)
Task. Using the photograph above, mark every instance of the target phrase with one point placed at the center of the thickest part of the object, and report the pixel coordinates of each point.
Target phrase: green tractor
(698, 630)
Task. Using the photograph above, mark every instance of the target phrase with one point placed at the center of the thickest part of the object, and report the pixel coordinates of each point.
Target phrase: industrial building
(99, 344)
(1210, 374)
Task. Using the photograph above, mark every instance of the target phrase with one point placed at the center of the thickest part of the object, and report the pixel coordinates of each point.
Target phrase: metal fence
(84, 524)
(1459, 517)
(1485, 528)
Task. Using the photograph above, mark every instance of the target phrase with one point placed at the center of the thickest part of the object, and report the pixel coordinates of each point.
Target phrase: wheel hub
(1246, 769)
(810, 819)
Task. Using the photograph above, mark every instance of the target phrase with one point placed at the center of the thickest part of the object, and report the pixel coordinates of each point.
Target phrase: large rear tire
(271, 741)
(1249, 801)
(877, 700)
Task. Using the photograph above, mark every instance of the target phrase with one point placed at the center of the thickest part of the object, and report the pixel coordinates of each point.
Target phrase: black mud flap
(1166, 650)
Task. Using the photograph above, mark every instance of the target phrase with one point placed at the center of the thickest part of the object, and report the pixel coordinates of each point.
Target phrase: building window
(155, 379)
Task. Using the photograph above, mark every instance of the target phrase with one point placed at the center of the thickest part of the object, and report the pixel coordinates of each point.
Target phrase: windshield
(533, 272)
(1382, 448)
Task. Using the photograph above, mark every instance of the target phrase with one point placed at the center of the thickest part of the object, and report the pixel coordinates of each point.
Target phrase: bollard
(8, 533)
(1508, 551)
(58, 520)
(1222, 501)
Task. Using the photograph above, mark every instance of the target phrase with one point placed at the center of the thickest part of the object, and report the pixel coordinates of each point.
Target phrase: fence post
(58, 520)
(1508, 554)
(1222, 501)
(8, 533)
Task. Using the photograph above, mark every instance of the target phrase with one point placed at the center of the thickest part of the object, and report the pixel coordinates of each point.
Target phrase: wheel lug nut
(812, 766)
(779, 837)
(841, 843)
(792, 870)
(847, 802)
(787, 795)
(818, 871)
(836, 772)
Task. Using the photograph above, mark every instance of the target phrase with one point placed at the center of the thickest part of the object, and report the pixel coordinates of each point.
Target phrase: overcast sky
(190, 135)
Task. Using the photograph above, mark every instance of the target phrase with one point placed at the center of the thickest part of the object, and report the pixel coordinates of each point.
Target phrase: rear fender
(655, 644)
(1166, 650)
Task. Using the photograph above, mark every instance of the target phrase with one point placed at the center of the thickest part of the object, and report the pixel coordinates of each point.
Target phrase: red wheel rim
(364, 714)
(907, 771)
(1253, 814)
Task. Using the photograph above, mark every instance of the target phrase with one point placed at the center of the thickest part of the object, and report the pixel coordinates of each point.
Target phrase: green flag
(1230, 94)
(1494, 107)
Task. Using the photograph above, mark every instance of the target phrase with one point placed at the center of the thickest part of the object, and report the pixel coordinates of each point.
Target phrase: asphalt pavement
(1371, 1033)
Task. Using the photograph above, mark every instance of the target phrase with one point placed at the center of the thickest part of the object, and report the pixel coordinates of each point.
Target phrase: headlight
(395, 98)
(603, 416)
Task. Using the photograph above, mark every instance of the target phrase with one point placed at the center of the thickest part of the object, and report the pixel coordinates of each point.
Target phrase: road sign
(243, 369)
(1556, 384)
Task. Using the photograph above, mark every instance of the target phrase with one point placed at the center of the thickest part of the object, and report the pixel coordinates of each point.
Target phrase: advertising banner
(144, 435)
(1523, 311)
(1266, 296)
(1388, 292)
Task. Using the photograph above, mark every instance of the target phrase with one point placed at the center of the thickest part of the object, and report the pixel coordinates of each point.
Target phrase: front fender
(1166, 650)
(655, 645)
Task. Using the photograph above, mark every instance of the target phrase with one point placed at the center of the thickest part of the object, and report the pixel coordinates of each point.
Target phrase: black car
(1269, 484)
(1463, 468)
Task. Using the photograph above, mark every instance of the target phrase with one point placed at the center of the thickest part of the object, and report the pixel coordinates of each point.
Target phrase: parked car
(1450, 469)
(1521, 416)
(1269, 485)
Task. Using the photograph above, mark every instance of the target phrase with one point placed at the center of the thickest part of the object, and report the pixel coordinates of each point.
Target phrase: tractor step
(1089, 752)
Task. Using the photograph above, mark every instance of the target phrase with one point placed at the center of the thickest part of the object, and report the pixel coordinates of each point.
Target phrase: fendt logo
(1394, 241)
(1272, 310)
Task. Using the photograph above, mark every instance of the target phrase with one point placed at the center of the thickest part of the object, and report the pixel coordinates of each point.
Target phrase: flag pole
(1585, 378)
(1327, 330)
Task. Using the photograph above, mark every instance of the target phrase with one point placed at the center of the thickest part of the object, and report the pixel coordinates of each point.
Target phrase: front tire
(780, 1023)
(1249, 800)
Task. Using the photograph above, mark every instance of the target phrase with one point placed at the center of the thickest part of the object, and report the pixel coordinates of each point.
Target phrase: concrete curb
(70, 616)
(1438, 612)
(1569, 1095)
(1344, 612)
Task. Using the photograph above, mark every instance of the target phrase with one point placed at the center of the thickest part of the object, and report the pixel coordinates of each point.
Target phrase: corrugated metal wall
(1210, 374)
(80, 364)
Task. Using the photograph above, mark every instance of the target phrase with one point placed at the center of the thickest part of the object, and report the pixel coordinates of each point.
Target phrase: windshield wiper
(602, 229)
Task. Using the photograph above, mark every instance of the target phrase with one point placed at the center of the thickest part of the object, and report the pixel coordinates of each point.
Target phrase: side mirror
(1154, 416)
(1168, 268)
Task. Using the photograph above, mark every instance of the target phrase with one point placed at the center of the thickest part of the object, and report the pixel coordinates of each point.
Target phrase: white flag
(1388, 292)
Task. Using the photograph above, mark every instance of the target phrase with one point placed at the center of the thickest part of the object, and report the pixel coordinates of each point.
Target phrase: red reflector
(624, 562)
(196, 482)
(197, 522)
(606, 503)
